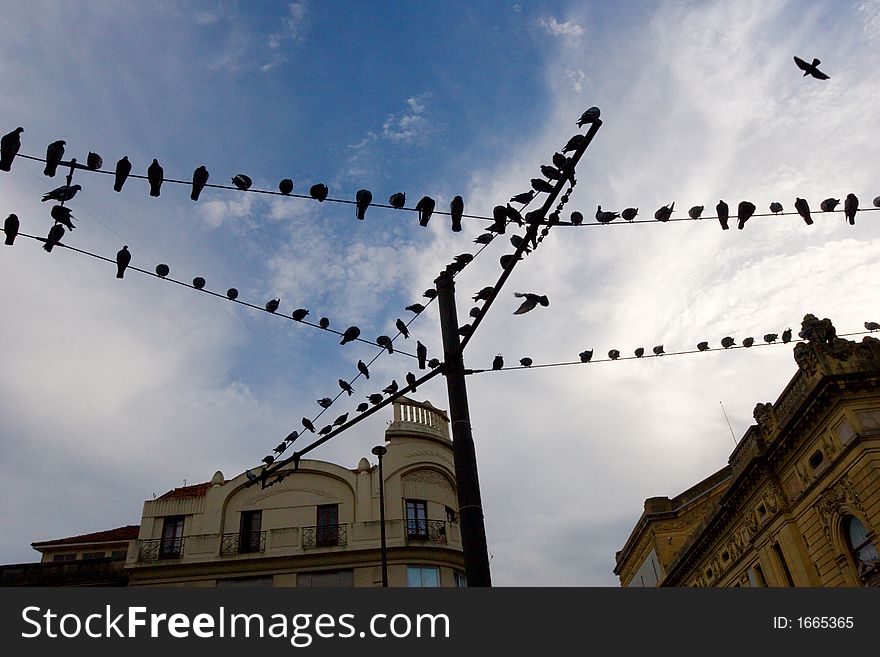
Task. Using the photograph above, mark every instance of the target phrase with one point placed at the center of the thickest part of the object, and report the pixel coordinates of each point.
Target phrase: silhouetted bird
(577, 218)
(585, 356)
(499, 214)
(498, 362)
(723, 211)
(829, 204)
(385, 341)
(811, 68)
(517, 240)
(299, 314)
(574, 143)
(639, 352)
(123, 168)
(162, 270)
(530, 301)
(272, 305)
(514, 215)
(727, 342)
(62, 215)
(350, 334)
(199, 282)
(56, 232)
(63, 193)
(604, 217)
(551, 172)
(507, 260)
(465, 330)
(123, 258)
(456, 209)
(484, 238)
(560, 161)
(250, 475)
(614, 354)
(776, 207)
(401, 326)
(744, 212)
(242, 181)
(375, 398)
(484, 294)
(338, 422)
(663, 214)
(748, 342)
(397, 200)
(658, 350)
(364, 406)
(803, 209)
(94, 161)
(703, 346)
(421, 354)
(541, 185)
(525, 362)
(590, 116)
(363, 198)
(850, 207)
(54, 153)
(280, 447)
(232, 294)
(410, 380)
(9, 145)
(324, 323)
(434, 363)
(293, 435)
(269, 459)
(629, 214)
(770, 337)
(286, 186)
(325, 402)
(415, 308)
(155, 175)
(319, 191)
(425, 208)
(307, 423)
(199, 180)
(473, 312)
(876, 201)
(346, 386)
(786, 336)
(524, 198)
(10, 227)
(430, 293)
(391, 388)
(362, 368)
(872, 326)
(696, 211)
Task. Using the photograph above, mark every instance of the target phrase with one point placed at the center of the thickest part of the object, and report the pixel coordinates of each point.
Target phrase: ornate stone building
(798, 503)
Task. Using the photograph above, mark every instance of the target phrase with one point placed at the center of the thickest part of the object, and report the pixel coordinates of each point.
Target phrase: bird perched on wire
(410, 380)
(286, 186)
(363, 369)
(727, 342)
(524, 198)
(346, 387)
(199, 180)
(872, 326)
(155, 176)
(590, 116)
(829, 204)
(421, 354)
(324, 322)
(484, 294)
(94, 161)
(696, 211)
(574, 143)
(786, 336)
(517, 240)
(293, 435)
(198, 282)
(242, 181)
(425, 208)
(456, 209)
(434, 363)
(658, 350)
(803, 209)
(604, 217)
(62, 215)
(401, 326)
(703, 346)
(541, 185)
(465, 330)
(744, 212)
(560, 161)
(550, 172)
(299, 314)
(498, 362)
(56, 232)
(272, 305)
(723, 211)
(363, 406)
(525, 362)
(391, 388)
(63, 193)
(325, 402)
(162, 270)
(614, 354)
(9, 146)
(811, 68)
(307, 423)
(375, 398)
(338, 422)
(770, 337)
(850, 207)
(748, 342)
(269, 459)
(232, 294)
(639, 352)
(629, 214)
(280, 447)
(10, 227)
(325, 430)
(776, 207)
(530, 302)
(514, 215)
(415, 308)
(397, 200)
(54, 153)
(319, 191)
(484, 238)
(876, 201)
(123, 168)
(577, 218)
(586, 355)
(363, 198)
(350, 334)
(385, 341)
(663, 213)
(123, 258)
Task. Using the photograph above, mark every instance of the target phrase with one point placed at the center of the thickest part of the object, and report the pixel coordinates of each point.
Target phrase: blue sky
(115, 390)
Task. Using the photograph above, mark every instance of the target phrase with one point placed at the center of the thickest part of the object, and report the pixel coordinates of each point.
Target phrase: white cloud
(410, 125)
(218, 212)
(568, 29)
(577, 79)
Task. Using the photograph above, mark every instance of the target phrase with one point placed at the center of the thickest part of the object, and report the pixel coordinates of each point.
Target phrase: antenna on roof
(728, 423)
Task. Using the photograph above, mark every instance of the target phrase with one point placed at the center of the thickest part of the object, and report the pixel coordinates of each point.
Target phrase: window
(417, 520)
(250, 537)
(92, 555)
(422, 576)
(816, 459)
(64, 557)
(460, 579)
(451, 515)
(118, 554)
(756, 576)
(327, 531)
(862, 549)
(172, 538)
(777, 550)
(326, 579)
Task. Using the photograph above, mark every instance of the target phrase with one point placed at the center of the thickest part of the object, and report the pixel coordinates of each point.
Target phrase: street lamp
(380, 451)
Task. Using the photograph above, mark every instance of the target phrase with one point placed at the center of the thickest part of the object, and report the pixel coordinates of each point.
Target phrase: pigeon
(639, 352)
(415, 308)
(404, 331)
(727, 342)
(325, 402)
(62, 215)
(605, 217)
(850, 207)
(346, 387)
(811, 68)
(776, 207)
(338, 422)
(590, 116)
(514, 215)
(232, 294)
(876, 201)
(307, 423)
(10, 227)
(629, 214)
(872, 326)
(585, 356)
(363, 198)
(803, 209)
(324, 323)
(524, 198)
(54, 153)
(362, 407)
(63, 193)
(123, 168)
(280, 447)
(299, 314)
(829, 204)
(574, 143)
(696, 211)
(484, 294)
(293, 435)
(9, 145)
(434, 363)
(375, 398)
(663, 214)
(56, 232)
(577, 218)
(530, 302)
(123, 257)
(397, 200)
(770, 337)
(155, 174)
(430, 293)
(325, 430)
(703, 346)
(517, 240)
(465, 330)
(200, 179)
(614, 354)
(362, 368)
(349, 334)
(425, 208)
(319, 191)
(498, 362)
(748, 342)
(410, 381)
(786, 336)
(525, 362)
(541, 185)
(421, 354)
(272, 305)
(456, 209)
(242, 181)
(286, 186)
(723, 213)
(198, 282)
(391, 388)
(744, 212)
(560, 161)
(507, 260)
(499, 214)
(385, 341)
(484, 238)
(162, 270)
(463, 258)
(250, 475)
(94, 161)
(269, 460)
(658, 350)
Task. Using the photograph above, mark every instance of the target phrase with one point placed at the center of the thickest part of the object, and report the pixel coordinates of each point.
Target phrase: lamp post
(380, 451)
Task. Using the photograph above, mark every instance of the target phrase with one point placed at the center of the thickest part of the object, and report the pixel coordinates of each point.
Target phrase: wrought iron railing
(324, 536)
(239, 543)
(426, 530)
(160, 548)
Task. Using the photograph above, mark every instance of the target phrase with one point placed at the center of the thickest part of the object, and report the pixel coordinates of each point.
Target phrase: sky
(114, 391)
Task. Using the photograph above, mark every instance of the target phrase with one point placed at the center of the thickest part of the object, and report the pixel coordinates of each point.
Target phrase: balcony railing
(160, 548)
(324, 536)
(239, 543)
(426, 530)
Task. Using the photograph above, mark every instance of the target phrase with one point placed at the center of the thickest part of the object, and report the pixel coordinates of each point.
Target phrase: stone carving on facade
(830, 446)
(764, 416)
(832, 502)
(430, 477)
(805, 357)
(817, 331)
(751, 522)
(773, 499)
(803, 476)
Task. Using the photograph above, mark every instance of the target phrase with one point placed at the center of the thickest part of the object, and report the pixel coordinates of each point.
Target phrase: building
(798, 503)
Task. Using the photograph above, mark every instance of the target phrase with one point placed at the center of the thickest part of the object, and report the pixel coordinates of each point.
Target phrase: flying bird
(590, 116)
(605, 217)
(524, 198)
(574, 143)
(663, 214)
(349, 334)
(62, 215)
(850, 207)
(63, 193)
(415, 308)
(585, 356)
(696, 211)
(299, 314)
(94, 161)
(748, 342)
(162, 270)
(803, 209)
(776, 207)
(199, 282)
(829, 204)
(346, 387)
(744, 212)
(614, 354)
(658, 350)
(307, 423)
(703, 346)
(9, 145)
(325, 402)
(421, 354)
(425, 208)
(54, 153)
(525, 362)
(629, 214)
(319, 191)
(242, 181)
(363, 198)
(723, 211)
(200, 179)
(484, 294)
(397, 200)
(338, 422)
(727, 342)
(232, 294)
(56, 232)
(811, 68)
(155, 175)
(577, 218)
(286, 186)
(786, 336)
(498, 362)
(123, 168)
(872, 326)
(391, 388)
(404, 331)
(10, 227)
(456, 209)
(272, 305)
(362, 407)
(385, 341)
(123, 258)
(530, 301)
(639, 352)
(324, 323)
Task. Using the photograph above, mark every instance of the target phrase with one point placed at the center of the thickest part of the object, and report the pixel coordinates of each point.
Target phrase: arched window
(863, 550)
